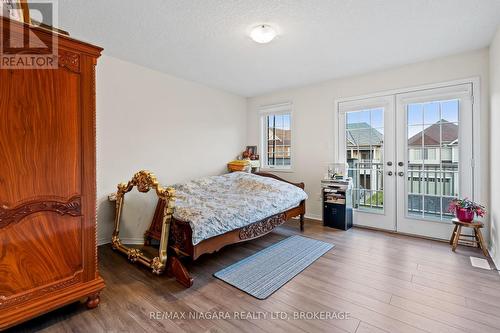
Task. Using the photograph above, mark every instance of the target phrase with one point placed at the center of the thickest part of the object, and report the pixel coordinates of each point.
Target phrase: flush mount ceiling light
(263, 33)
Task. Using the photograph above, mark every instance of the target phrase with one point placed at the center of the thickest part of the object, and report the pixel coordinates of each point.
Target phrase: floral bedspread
(218, 204)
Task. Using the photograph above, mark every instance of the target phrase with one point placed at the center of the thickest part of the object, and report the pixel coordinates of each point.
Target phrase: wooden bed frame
(179, 234)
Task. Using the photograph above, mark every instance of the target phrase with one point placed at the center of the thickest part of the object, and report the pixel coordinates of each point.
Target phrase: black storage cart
(337, 203)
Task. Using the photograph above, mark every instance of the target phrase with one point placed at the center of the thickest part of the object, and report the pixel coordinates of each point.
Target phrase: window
(276, 136)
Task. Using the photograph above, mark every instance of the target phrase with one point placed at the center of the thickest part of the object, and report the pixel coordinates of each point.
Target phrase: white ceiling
(206, 40)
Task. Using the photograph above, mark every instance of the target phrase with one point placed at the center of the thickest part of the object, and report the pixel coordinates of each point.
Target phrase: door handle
(401, 173)
(389, 173)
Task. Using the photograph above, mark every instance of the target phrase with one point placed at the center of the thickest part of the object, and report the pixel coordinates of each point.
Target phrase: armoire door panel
(39, 161)
(39, 249)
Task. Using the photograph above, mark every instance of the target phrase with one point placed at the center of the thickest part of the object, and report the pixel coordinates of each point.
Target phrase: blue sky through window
(428, 113)
(282, 121)
(372, 117)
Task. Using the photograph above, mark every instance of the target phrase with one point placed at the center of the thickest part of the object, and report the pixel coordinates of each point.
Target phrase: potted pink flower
(465, 209)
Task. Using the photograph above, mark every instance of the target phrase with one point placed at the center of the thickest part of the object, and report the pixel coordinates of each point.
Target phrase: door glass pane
(432, 155)
(431, 113)
(414, 204)
(415, 133)
(364, 152)
(377, 118)
(358, 117)
(449, 111)
(415, 114)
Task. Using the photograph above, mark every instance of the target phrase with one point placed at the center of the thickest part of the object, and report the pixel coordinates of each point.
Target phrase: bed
(204, 215)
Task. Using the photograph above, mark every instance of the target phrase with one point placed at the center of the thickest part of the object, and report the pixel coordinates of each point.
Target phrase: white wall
(495, 151)
(313, 113)
(149, 120)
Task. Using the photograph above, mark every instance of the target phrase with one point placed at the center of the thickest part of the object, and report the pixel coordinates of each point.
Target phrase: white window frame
(275, 109)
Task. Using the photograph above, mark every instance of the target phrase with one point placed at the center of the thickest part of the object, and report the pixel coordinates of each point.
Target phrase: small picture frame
(251, 150)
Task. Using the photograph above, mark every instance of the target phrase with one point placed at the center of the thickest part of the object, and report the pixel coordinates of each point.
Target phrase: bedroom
(399, 99)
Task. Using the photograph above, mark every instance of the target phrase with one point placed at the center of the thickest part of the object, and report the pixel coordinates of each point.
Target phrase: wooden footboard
(251, 231)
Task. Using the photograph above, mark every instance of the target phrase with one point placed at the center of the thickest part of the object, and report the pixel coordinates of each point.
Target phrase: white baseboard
(131, 241)
(310, 217)
(492, 256)
(314, 217)
(103, 241)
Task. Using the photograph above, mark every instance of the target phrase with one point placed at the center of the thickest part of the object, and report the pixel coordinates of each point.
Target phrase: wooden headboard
(270, 175)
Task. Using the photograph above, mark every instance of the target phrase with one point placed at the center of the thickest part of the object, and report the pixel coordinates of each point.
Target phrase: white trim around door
(394, 216)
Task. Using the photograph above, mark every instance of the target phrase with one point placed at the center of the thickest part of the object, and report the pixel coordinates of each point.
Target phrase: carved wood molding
(69, 60)
(262, 227)
(94, 132)
(10, 301)
(180, 237)
(13, 215)
(66, 59)
(144, 181)
(177, 234)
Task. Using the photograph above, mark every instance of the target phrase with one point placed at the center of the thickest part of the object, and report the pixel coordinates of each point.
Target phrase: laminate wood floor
(386, 282)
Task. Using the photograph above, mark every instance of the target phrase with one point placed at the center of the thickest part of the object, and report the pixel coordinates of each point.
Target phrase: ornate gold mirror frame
(145, 180)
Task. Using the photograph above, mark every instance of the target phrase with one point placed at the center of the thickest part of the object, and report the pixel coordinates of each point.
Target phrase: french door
(409, 155)
(367, 145)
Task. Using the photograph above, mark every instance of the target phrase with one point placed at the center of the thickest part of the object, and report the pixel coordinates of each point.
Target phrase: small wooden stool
(477, 238)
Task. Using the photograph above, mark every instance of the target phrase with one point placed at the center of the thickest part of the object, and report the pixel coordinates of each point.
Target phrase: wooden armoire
(48, 252)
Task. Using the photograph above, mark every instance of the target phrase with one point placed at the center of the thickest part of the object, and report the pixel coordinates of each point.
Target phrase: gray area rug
(266, 271)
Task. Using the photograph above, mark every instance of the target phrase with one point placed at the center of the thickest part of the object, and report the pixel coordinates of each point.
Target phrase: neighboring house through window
(433, 161)
(276, 136)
